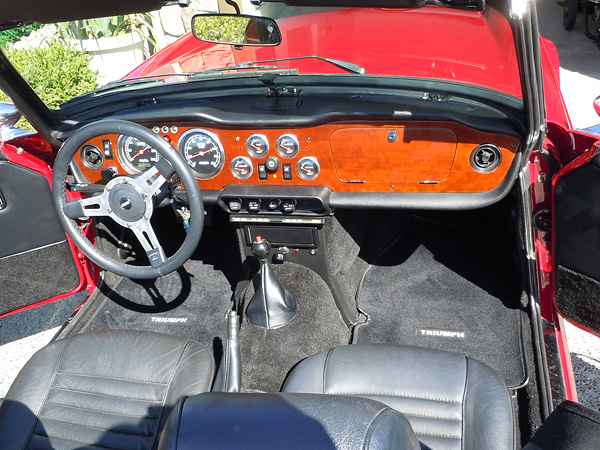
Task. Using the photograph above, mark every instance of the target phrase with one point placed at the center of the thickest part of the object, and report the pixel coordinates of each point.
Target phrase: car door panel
(36, 260)
(577, 240)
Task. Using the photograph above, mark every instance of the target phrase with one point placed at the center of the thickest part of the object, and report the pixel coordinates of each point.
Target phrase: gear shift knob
(261, 248)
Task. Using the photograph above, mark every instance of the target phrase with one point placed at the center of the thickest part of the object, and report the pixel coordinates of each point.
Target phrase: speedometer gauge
(203, 152)
(136, 156)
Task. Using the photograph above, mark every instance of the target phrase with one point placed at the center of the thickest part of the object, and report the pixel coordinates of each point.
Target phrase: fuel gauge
(241, 167)
(308, 168)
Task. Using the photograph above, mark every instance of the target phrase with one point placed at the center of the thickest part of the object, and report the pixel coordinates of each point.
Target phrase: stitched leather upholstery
(452, 402)
(285, 421)
(102, 390)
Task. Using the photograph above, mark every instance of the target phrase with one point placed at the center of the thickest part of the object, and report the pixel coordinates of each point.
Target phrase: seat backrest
(219, 420)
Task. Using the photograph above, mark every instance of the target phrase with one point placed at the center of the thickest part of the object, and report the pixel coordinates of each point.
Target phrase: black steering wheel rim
(166, 150)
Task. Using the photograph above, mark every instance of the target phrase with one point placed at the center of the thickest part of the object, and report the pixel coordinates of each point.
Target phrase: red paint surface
(432, 42)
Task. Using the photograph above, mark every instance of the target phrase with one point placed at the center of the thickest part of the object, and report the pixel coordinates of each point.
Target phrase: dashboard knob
(272, 164)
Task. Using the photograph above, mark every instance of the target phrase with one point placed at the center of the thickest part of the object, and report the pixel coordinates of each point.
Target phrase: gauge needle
(141, 152)
(308, 171)
(287, 149)
(203, 152)
(258, 149)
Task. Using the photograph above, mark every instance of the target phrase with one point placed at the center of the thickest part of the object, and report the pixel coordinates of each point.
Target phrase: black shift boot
(271, 306)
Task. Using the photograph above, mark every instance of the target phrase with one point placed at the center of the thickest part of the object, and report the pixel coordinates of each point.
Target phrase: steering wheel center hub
(127, 203)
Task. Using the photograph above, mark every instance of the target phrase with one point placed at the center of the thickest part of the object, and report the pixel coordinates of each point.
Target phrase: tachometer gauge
(287, 145)
(308, 168)
(134, 155)
(203, 152)
(257, 145)
(241, 167)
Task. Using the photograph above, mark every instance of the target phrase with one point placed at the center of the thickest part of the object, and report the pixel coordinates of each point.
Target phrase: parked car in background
(355, 223)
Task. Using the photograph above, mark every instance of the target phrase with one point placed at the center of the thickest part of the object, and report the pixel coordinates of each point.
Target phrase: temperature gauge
(287, 145)
(308, 168)
(257, 145)
(241, 167)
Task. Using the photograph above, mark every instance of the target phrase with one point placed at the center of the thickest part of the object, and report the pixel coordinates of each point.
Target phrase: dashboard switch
(262, 172)
(280, 255)
(272, 164)
(253, 206)
(107, 147)
(272, 205)
(287, 171)
(235, 205)
(288, 206)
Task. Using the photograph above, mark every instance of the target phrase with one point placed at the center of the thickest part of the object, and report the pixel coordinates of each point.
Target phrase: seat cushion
(451, 401)
(224, 421)
(111, 389)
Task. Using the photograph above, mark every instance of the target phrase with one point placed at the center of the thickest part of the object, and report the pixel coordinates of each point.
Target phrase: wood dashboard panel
(425, 157)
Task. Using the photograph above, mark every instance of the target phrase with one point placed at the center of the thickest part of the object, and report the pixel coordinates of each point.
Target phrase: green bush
(56, 73)
(13, 35)
(221, 29)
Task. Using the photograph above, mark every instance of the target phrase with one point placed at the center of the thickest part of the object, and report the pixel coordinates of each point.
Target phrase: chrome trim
(532, 279)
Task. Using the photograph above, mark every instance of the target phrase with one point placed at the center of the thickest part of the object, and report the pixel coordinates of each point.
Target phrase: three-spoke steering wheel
(128, 200)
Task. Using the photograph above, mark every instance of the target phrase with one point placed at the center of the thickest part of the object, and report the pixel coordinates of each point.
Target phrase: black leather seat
(102, 390)
(451, 401)
(224, 421)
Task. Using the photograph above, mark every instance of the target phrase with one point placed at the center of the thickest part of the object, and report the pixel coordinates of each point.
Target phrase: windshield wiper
(344, 65)
(246, 65)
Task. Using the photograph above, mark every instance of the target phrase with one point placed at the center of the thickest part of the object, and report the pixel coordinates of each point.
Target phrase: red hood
(431, 42)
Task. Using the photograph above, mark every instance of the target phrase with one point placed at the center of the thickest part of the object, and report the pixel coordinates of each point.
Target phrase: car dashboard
(343, 158)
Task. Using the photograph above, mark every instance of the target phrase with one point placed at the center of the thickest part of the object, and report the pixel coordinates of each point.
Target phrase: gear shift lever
(271, 306)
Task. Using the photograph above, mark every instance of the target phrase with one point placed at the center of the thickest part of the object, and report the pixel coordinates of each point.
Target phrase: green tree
(56, 73)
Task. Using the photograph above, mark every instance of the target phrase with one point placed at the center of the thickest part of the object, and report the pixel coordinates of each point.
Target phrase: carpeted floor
(450, 287)
(191, 302)
(268, 355)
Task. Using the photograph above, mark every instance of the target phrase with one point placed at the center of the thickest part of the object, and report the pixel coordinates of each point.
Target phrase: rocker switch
(287, 172)
(2, 201)
(262, 172)
(107, 147)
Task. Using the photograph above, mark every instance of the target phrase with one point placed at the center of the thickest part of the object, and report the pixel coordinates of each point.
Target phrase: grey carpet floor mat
(191, 302)
(449, 287)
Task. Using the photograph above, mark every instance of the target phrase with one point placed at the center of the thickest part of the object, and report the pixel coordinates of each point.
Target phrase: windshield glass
(66, 60)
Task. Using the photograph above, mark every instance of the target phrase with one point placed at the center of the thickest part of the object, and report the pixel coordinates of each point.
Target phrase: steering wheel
(128, 200)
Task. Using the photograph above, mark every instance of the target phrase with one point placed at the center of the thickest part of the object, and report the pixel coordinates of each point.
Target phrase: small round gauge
(308, 168)
(136, 156)
(257, 145)
(203, 152)
(287, 145)
(241, 167)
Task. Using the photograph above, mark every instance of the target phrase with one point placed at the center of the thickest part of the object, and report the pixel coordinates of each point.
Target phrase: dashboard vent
(486, 158)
